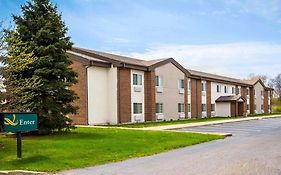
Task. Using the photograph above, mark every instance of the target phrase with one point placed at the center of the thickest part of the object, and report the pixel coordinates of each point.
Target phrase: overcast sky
(229, 37)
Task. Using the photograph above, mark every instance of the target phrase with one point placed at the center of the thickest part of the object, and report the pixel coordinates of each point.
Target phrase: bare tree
(264, 78)
(276, 82)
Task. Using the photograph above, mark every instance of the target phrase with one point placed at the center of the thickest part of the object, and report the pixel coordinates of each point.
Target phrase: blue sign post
(19, 122)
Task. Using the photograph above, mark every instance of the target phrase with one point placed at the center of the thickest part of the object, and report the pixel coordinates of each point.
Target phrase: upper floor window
(189, 85)
(239, 90)
(261, 93)
(233, 90)
(218, 88)
(159, 81)
(137, 79)
(248, 91)
(203, 86)
(225, 89)
(181, 84)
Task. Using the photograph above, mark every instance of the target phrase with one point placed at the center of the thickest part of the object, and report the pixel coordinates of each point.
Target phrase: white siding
(215, 95)
(258, 97)
(102, 95)
(137, 96)
(170, 97)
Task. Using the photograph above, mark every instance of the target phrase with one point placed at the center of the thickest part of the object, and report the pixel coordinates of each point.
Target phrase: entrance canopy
(231, 98)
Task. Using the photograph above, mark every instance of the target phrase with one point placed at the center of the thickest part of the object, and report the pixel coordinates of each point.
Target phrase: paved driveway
(254, 149)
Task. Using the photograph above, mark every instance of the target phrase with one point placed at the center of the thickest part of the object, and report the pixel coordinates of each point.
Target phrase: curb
(22, 172)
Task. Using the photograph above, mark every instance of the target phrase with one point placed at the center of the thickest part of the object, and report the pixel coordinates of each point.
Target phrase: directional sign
(20, 122)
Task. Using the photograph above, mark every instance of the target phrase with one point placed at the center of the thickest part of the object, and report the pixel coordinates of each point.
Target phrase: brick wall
(265, 104)
(199, 98)
(252, 101)
(193, 98)
(149, 96)
(124, 95)
(209, 102)
(81, 89)
(244, 95)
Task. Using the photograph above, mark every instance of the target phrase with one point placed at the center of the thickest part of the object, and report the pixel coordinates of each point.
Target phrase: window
(159, 81)
(261, 107)
(203, 86)
(137, 79)
(255, 107)
(254, 92)
(189, 84)
(233, 90)
(261, 93)
(218, 88)
(159, 108)
(204, 108)
(137, 108)
(225, 89)
(181, 84)
(248, 107)
(213, 107)
(239, 90)
(248, 91)
(180, 107)
(189, 108)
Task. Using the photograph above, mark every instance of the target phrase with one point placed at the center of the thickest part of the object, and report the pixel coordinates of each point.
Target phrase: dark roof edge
(169, 60)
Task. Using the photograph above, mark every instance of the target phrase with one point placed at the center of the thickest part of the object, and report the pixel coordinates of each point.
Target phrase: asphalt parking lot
(250, 127)
(254, 149)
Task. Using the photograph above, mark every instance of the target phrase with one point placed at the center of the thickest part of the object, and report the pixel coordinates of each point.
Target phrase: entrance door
(241, 108)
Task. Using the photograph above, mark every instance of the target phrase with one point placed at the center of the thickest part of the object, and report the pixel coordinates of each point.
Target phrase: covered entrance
(233, 105)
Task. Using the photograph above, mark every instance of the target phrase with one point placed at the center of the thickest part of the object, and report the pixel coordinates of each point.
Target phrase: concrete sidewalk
(189, 125)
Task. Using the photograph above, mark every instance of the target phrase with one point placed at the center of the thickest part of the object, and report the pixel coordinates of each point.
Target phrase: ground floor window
(159, 108)
(248, 108)
(180, 107)
(137, 108)
(189, 107)
(204, 108)
(213, 107)
(261, 107)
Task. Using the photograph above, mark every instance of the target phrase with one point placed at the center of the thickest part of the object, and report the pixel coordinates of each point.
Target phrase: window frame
(181, 107)
(137, 108)
(159, 108)
(137, 79)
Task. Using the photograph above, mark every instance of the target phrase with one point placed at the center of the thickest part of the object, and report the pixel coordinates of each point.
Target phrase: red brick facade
(266, 101)
(124, 95)
(81, 89)
(193, 98)
(209, 102)
(196, 98)
(149, 96)
(252, 101)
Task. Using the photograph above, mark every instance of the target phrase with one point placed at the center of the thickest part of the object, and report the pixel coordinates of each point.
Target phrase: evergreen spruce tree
(37, 73)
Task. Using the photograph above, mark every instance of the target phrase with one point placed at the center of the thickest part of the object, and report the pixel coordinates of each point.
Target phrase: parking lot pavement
(239, 128)
(255, 149)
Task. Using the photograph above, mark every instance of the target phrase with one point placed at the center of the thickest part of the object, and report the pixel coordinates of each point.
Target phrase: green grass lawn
(174, 122)
(91, 146)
